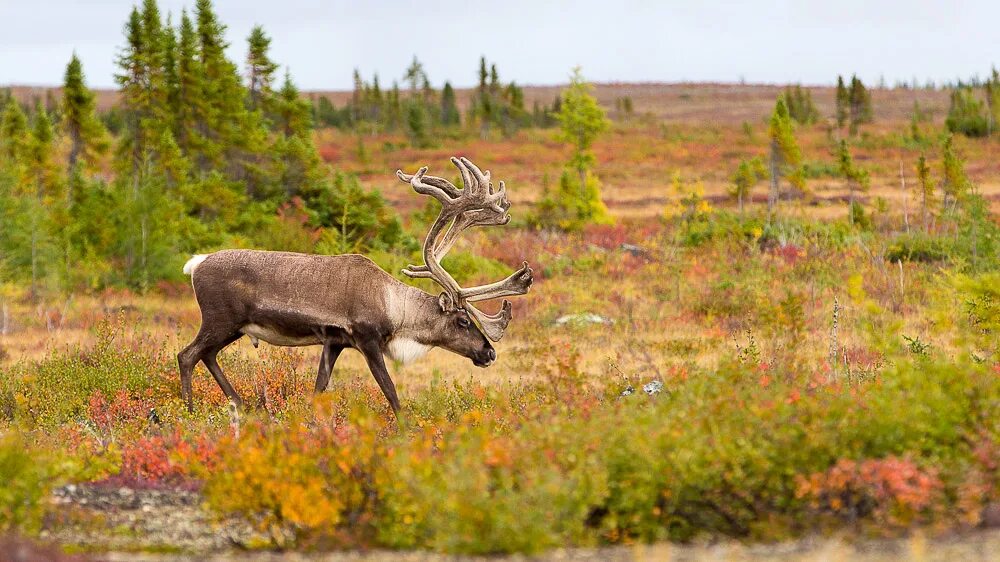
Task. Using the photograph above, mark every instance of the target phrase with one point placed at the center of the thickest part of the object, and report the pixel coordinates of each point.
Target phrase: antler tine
(439, 188)
(477, 204)
(493, 325)
(517, 283)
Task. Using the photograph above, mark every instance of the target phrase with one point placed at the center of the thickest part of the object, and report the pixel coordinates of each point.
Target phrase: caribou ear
(446, 302)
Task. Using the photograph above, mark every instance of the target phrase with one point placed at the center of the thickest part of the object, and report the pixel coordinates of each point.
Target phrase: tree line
(201, 157)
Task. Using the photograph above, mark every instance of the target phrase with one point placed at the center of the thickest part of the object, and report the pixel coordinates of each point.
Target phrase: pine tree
(785, 156)
(449, 106)
(88, 137)
(393, 108)
(158, 113)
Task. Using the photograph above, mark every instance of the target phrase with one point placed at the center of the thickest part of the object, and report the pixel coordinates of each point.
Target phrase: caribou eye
(464, 322)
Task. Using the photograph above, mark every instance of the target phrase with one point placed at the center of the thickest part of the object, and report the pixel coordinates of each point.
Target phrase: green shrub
(918, 248)
(24, 480)
(58, 389)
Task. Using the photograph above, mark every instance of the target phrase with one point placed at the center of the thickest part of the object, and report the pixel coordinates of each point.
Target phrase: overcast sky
(538, 42)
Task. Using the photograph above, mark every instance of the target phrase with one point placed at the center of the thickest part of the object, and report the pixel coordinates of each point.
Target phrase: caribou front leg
(373, 354)
(326, 362)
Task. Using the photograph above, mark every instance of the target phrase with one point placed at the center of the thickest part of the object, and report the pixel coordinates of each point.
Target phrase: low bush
(733, 452)
(25, 476)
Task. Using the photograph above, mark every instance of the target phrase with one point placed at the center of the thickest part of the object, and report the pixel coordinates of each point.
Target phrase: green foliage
(449, 107)
(747, 174)
(955, 182)
(57, 390)
(355, 219)
(201, 161)
(860, 105)
(87, 135)
(918, 248)
(966, 114)
(857, 180)
(25, 476)
(843, 102)
(928, 202)
(417, 126)
(785, 157)
(578, 199)
(260, 69)
(800, 105)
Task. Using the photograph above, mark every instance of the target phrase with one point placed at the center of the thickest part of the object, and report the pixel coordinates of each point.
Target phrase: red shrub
(894, 491)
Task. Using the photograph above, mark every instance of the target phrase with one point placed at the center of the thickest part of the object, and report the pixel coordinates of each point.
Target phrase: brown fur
(334, 301)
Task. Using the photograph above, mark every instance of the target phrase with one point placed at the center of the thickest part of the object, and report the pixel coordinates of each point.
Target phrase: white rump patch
(194, 262)
(406, 350)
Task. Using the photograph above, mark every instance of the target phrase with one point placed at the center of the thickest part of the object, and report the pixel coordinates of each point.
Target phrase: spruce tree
(415, 75)
(14, 135)
(190, 104)
(260, 68)
(857, 179)
(292, 116)
(843, 100)
(43, 179)
(449, 106)
(966, 114)
(800, 105)
(132, 80)
(860, 104)
(88, 137)
(171, 78)
(955, 183)
(417, 126)
(747, 174)
(927, 199)
(785, 156)
(992, 91)
(582, 120)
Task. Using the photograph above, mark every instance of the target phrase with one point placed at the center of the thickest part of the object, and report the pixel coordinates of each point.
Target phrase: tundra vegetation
(811, 274)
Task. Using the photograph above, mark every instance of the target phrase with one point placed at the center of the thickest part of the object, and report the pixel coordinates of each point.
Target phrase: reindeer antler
(477, 204)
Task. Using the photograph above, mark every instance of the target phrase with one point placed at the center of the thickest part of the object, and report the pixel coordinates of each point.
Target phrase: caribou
(347, 301)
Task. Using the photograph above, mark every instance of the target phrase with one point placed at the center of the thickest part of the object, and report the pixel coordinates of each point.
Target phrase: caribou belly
(275, 337)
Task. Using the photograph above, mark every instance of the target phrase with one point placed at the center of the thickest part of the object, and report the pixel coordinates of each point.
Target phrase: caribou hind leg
(205, 348)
